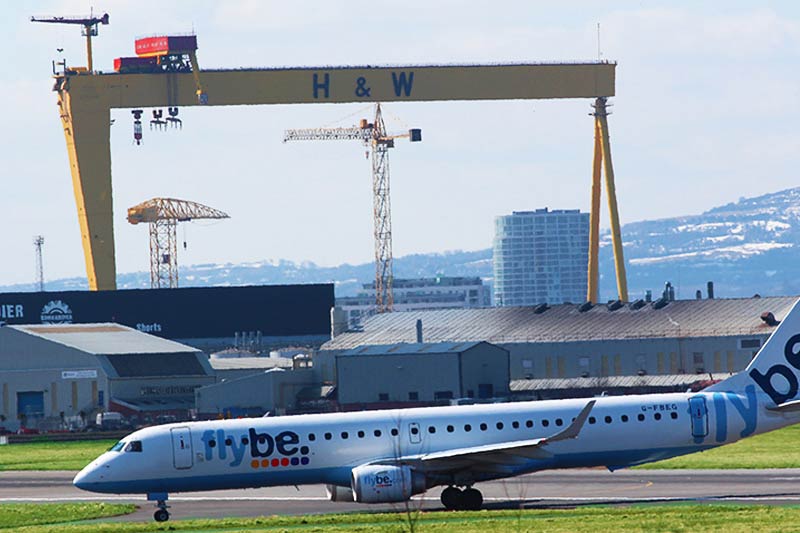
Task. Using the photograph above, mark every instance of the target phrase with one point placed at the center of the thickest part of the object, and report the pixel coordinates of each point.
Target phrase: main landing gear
(455, 499)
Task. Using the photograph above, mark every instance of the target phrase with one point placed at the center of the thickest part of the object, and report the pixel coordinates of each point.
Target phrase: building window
(443, 395)
(413, 396)
(527, 363)
(698, 361)
(383, 397)
(746, 344)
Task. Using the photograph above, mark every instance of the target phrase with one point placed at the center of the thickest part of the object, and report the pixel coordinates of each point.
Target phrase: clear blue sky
(706, 112)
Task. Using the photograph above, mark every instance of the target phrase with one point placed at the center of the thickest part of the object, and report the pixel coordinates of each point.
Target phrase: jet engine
(339, 494)
(385, 483)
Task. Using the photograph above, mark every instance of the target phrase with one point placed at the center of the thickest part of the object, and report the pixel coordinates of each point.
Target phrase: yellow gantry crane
(163, 215)
(372, 134)
(89, 24)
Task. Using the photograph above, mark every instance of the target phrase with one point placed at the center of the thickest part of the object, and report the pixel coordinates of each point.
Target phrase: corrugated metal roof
(104, 339)
(561, 323)
(412, 348)
(245, 363)
(673, 380)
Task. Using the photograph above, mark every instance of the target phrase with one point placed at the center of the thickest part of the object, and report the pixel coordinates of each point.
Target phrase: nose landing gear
(455, 499)
(161, 514)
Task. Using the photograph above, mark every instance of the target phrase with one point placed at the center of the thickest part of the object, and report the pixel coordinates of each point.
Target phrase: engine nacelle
(386, 484)
(339, 494)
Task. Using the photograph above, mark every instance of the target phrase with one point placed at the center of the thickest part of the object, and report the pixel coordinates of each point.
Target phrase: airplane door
(414, 433)
(699, 414)
(182, 447)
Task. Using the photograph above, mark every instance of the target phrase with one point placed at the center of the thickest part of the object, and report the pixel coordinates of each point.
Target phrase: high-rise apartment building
(541, 257)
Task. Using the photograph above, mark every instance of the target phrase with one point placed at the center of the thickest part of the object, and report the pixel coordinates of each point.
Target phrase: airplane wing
(498, 458)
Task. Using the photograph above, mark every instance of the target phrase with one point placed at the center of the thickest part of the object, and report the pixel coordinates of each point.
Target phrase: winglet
(571, 431)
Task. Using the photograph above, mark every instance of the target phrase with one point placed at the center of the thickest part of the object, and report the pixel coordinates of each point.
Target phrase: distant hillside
(748, 247)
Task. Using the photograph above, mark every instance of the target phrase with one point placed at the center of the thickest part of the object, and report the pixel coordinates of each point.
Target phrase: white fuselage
(324, 448)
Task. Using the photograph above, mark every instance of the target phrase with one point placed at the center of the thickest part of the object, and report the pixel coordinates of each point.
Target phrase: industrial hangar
(584, 346)
(52, 373)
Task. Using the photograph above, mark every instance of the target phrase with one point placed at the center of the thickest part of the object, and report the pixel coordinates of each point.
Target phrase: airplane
(391, 455)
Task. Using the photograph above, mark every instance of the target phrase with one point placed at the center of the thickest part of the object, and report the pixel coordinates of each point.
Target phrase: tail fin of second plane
(775, 370)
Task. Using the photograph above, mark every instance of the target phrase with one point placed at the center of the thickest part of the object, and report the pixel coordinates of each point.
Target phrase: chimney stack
(419, 331)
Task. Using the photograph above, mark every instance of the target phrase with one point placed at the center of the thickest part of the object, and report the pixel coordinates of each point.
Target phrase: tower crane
(372, 134)
(163, 215)
(89, 24)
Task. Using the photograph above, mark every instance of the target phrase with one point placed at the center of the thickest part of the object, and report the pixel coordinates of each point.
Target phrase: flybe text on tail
(791, 353)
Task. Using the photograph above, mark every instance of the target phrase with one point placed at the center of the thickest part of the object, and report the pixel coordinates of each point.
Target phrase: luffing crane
(89, 30)
(163, 215)
(372, 134)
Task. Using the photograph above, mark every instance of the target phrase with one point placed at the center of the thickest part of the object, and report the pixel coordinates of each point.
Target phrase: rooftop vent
(769, 319)
(660, 303)
(614, 305)
(541, 308)
(585, 306)
(637, 304)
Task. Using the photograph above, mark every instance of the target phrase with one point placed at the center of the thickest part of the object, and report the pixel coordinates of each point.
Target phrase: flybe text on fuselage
(281, 449)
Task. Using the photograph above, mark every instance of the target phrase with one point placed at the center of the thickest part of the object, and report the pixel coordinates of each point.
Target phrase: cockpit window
(117, 447)
(134, 446)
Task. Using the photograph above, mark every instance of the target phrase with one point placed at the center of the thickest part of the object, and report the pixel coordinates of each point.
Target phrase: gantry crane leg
(592, 292)
(86, 124)
(601, 127)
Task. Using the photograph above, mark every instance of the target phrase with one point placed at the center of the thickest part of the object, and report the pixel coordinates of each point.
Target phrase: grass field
(51, 455)
(17, 515)
(689, 518)
(778, 449)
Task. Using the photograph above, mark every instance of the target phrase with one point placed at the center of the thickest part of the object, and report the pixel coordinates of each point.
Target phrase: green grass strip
(51, 455)
(16, 515)
(590, 519)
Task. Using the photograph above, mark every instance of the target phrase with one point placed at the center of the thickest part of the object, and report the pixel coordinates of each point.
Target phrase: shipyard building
(615, 346)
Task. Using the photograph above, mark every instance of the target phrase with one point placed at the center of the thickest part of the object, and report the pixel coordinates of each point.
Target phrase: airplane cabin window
(228, 441)
(377, 432)
(483, 426)
(592, 420)
(515, 424)
(608, 419)
(134, 446)
(328, 436)
(117, 447)
(640, 417)
(360, 434)
(467, 428)
(559, 422)
(312, 437)
(545, 422)
(529, 423)
(450, 429)
(344, 435)
(673, 415)
(414, 430)
(395, 432)
(431, 429)
(624, 418)
(499, 425)
(212, 443)
(657, 416)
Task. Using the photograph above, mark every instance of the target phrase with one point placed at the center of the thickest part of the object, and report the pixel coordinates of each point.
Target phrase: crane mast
(163, 215)
(372, 134)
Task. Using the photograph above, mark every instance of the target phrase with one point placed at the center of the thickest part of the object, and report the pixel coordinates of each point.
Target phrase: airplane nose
(91, 476)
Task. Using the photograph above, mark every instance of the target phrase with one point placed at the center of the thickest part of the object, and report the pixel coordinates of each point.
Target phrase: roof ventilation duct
(541, 308)
(769, 319)
(585, 306)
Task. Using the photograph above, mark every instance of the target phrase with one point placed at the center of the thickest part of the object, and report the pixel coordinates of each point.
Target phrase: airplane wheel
(162, 515)
(471, 499)
(451, 498)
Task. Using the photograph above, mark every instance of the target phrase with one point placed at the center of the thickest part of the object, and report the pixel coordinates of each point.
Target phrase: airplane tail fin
(775, 370)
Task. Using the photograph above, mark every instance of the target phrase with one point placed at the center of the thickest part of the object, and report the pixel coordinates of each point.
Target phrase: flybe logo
(790, 353)
(263, 450)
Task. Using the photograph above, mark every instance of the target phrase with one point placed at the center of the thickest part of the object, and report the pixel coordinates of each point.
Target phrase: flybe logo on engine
(263, 450)
(791, 352)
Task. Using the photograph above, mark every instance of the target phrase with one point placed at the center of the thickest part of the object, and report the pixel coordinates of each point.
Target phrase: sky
(705, 112)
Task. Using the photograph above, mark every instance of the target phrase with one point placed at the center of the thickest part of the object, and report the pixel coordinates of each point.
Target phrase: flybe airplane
(391, 455)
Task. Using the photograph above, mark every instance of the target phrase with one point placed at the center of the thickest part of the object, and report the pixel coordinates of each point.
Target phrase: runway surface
(551, 489)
